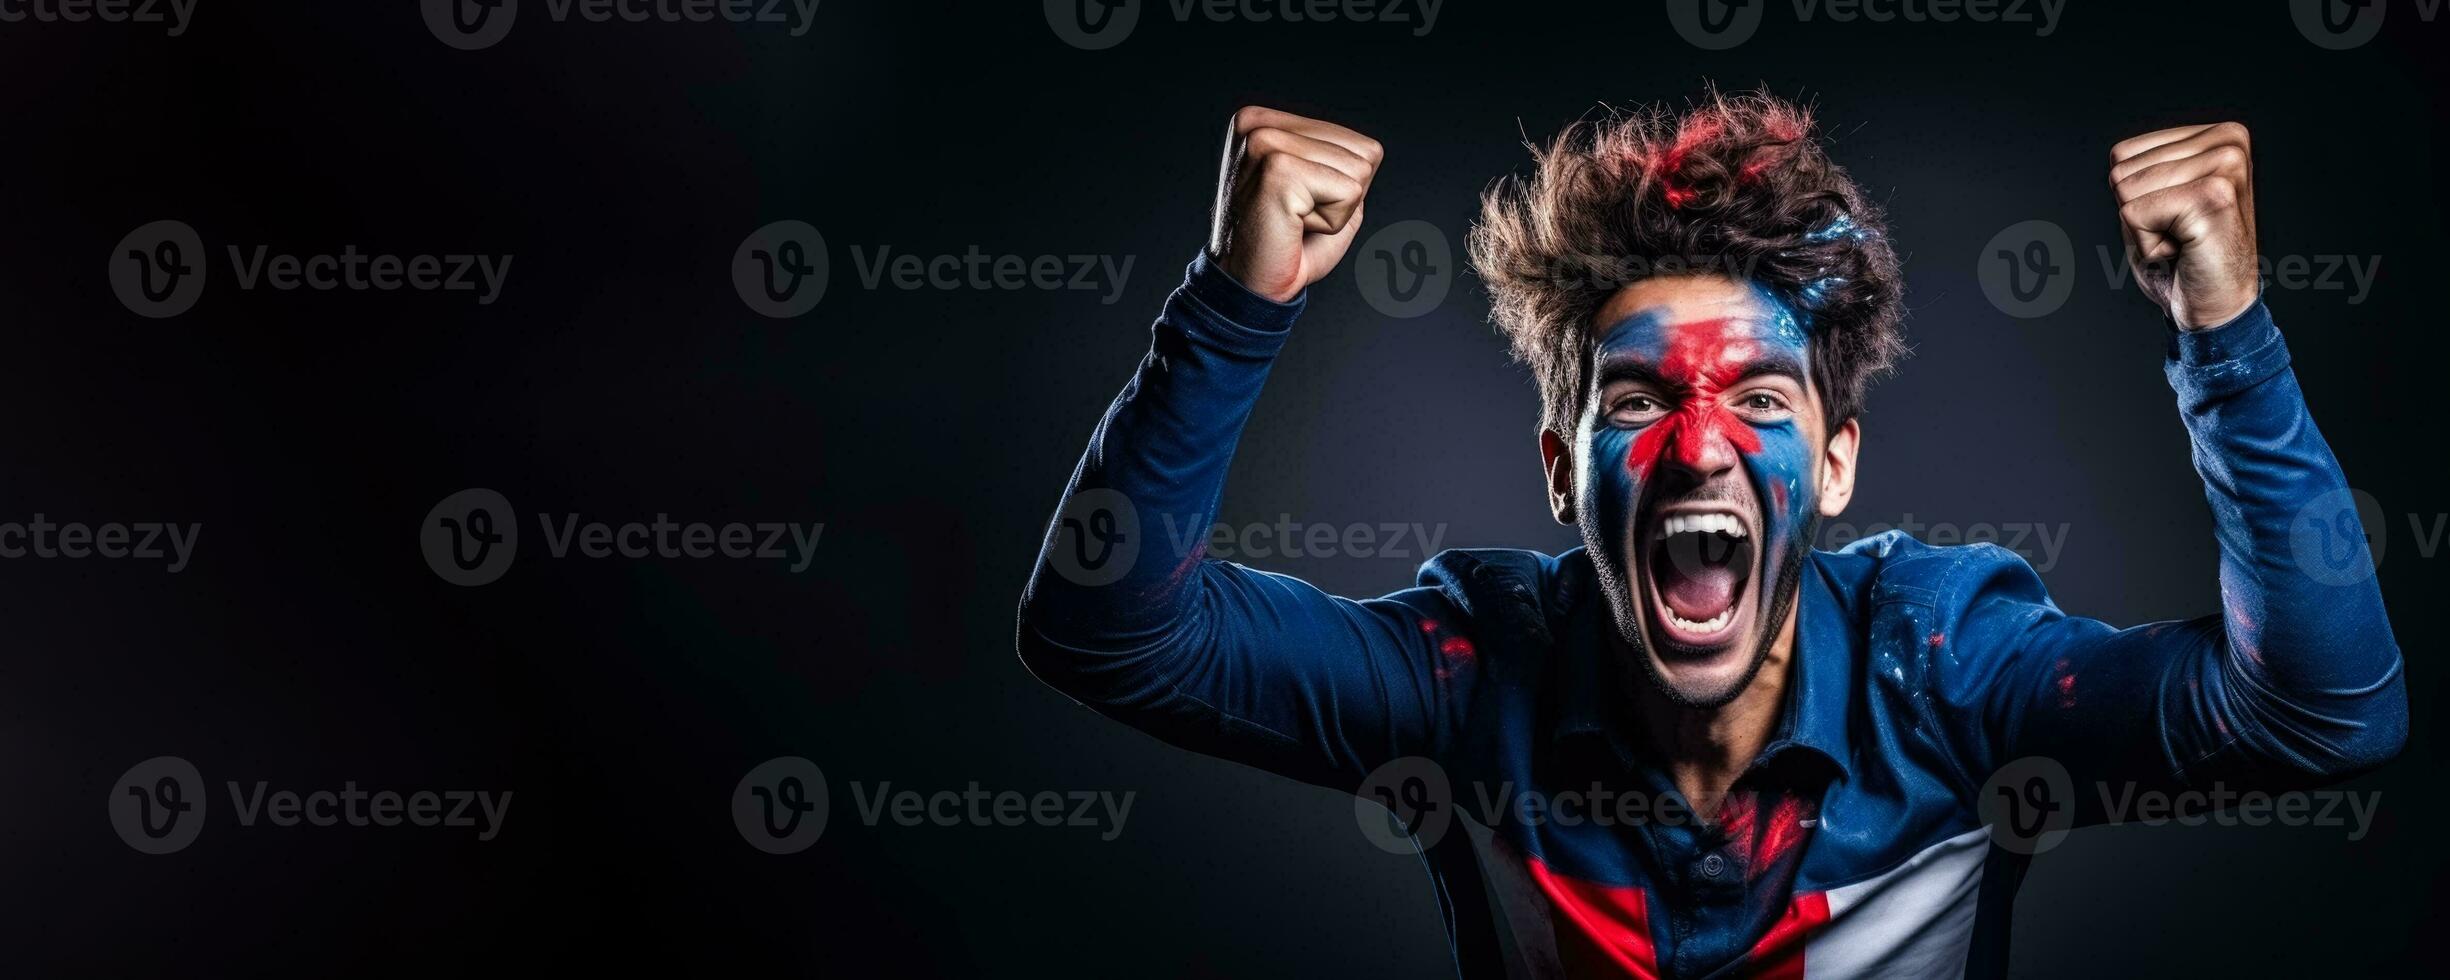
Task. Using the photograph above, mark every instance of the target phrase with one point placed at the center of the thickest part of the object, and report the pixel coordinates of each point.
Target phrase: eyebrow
(1626, 366)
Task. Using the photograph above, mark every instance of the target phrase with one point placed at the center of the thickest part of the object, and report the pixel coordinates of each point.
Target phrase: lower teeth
(1711, 625)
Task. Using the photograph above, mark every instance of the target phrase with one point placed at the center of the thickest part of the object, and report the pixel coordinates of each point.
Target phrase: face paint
(1704, 454)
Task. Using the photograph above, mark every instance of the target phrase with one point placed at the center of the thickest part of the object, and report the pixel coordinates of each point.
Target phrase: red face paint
(1703, 357)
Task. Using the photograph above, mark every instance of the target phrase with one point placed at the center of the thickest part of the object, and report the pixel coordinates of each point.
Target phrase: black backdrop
(618, 376)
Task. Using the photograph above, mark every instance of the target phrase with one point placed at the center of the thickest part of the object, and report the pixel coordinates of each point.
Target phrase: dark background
(619, 377)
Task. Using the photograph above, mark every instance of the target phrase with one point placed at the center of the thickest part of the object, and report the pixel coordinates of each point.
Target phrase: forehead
(1648, 315)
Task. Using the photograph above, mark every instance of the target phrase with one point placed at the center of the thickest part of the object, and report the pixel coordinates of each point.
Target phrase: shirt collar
(1593, 702)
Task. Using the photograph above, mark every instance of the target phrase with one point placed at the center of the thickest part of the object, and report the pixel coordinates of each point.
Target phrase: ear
(1557, 460)
(1837, 470)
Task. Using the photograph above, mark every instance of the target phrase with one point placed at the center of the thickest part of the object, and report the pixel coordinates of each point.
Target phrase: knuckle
(2229, 156)
(1248, 117)
(1264, 167)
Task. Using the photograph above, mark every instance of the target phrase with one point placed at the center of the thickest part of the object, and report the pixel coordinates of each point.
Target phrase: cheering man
(1703, 298)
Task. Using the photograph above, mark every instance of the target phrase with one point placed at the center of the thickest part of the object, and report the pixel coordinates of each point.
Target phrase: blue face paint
(1713, 429)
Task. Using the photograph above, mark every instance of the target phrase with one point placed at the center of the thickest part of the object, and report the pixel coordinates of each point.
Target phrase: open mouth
(1700, 576)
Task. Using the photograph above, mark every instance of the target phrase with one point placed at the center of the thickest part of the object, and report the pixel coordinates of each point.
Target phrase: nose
(1703, 446)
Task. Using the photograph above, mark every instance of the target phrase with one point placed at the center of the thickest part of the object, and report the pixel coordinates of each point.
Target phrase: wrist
(1213, 286)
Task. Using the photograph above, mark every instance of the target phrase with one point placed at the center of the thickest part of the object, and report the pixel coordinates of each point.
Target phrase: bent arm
(2296, 680)
(1126, 614)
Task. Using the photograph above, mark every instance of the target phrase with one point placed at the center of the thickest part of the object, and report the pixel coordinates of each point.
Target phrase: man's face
(1696, 474)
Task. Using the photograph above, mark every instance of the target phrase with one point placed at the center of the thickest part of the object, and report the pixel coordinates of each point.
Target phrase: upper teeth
(1697, 523)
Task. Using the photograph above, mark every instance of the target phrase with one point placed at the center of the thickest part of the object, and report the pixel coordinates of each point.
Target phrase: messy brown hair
(1735, 184)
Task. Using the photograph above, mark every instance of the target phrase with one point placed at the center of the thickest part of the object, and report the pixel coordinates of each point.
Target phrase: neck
(1705, 749)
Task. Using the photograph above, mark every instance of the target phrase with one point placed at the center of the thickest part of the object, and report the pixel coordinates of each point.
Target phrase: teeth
(1700, 523)
(1712, 625)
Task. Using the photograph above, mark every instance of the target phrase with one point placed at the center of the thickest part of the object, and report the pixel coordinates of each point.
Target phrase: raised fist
(1288, 199)
(2186, 205)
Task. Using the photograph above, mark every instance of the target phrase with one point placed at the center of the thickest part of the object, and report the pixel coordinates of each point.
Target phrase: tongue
(1698, 593)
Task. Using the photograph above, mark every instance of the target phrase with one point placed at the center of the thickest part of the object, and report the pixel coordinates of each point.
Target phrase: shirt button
(1712, 865)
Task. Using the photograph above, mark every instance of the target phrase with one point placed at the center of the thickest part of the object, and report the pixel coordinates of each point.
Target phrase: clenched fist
(2186, 205)
(1288, 199)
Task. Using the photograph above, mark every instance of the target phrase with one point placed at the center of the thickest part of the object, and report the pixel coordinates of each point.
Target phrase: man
(1703, 298)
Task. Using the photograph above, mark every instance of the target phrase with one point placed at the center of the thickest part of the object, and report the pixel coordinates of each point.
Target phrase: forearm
(1221, 659)
(1148, 486)
(2310, 667)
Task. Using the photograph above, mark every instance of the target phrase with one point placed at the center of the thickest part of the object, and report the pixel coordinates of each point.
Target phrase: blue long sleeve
(2296, 680)
(1126, 614)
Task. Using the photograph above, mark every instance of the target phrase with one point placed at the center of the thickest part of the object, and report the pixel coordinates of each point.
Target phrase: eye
(1636, 409)
(1763, 405)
